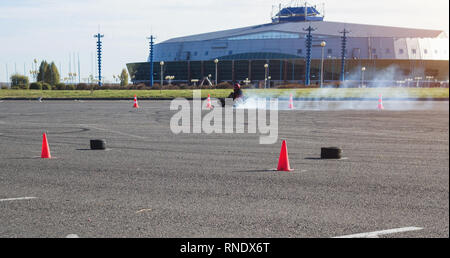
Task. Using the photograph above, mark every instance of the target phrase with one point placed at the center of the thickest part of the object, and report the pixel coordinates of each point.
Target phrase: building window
(267, 35)
(401, 51)
(414, 51)
(330, 51)
(299, 51)
(206, 53)
(425, 51)
(374, 50)
(388, 51)
(195, 53)
(230, 52)
(436, 52)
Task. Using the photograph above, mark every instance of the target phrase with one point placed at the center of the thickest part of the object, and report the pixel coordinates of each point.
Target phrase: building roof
(323, 28)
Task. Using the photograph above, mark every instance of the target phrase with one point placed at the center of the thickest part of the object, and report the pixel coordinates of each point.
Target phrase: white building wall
(401, 49)
(439, 48)
(363, 48)
(414, 49)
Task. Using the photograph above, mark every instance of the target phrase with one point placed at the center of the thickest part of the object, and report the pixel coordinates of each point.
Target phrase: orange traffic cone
(283, 162)
(291, 102)
(208, 102)
(380, 103)
(45, 154)
(135, 105)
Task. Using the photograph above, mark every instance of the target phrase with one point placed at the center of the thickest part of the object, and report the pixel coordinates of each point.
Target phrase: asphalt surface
(153, 183)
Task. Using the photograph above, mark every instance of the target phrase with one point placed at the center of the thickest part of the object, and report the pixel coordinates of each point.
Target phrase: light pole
(266, 67)
(34, 73)
(170, 78)
(162, 75)
(216, 61)
(74, 78)
(323, 45)
(418, 81)
(269, 78)
(36, 69)
(363, 69)
(408, 80)
(195, 81)
(429, 78)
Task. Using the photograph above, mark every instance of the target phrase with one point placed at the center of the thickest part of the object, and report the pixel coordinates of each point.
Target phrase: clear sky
(55, 30)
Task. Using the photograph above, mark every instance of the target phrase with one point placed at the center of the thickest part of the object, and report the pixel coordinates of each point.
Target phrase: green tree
(42, 71)
(48, 74)
(19, 81)
(54, 77)
(124, 78)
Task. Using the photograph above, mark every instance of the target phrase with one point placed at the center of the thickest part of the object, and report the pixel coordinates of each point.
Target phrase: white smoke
(384, 83)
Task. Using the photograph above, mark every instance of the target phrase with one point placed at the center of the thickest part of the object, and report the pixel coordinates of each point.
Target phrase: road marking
(376, 234)
(72, 236)
(17, 199)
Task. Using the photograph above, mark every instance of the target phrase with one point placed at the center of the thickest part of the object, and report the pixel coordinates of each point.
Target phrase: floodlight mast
(151, 38)
(309, 39)
(99, 57)
(343, 53)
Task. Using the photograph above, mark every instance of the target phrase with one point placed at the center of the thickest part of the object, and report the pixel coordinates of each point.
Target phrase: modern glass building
(243, 53)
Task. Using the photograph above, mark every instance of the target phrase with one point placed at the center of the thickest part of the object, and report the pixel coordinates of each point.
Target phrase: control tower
(302, 13)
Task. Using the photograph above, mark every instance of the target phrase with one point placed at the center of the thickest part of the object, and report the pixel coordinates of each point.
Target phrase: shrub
(296, 86)
(70, 87)
(205, 87)
(141, 86)
(224, 85)
(184, 86)
(36, 86)
(156, 87)
(249, 86)
(46, 86)
(60, 86)
(171, 87)
(82, 86)
(21, 81)
(4, 87)
(112, 87)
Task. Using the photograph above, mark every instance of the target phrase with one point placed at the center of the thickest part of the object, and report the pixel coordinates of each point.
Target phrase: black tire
(98, 145)
(331, 153)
